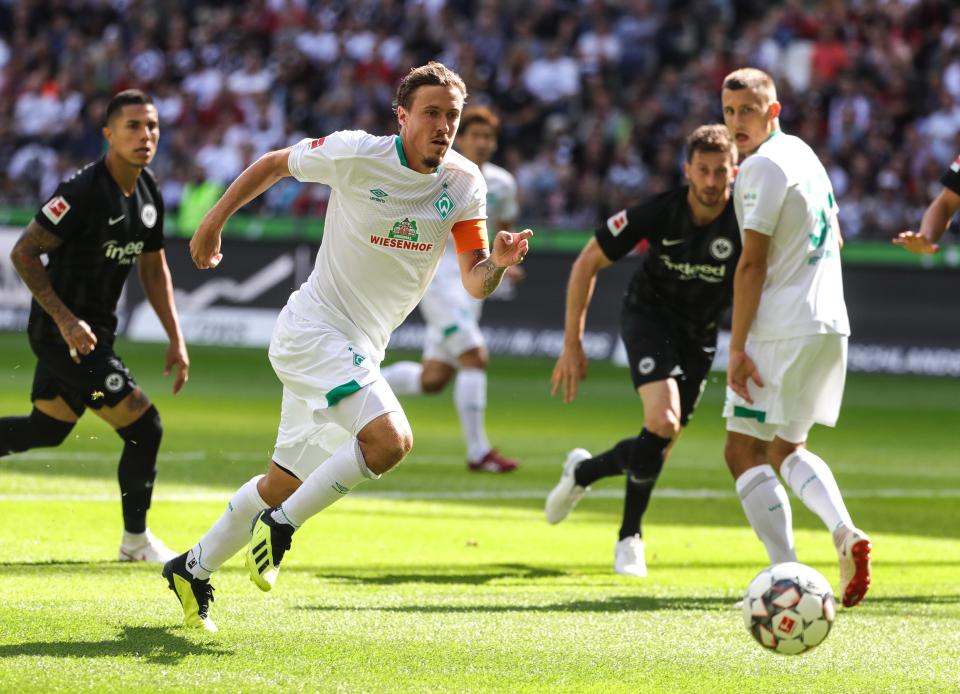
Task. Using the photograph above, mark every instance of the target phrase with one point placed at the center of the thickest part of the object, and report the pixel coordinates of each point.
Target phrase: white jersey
(384, 233)
(782, 190)
(501, 208)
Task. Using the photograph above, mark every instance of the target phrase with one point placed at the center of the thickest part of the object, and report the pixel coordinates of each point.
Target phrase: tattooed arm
(34, 242)
(481, 272)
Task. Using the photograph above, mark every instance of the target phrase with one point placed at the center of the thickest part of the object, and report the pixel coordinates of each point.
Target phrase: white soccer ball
(789, 608)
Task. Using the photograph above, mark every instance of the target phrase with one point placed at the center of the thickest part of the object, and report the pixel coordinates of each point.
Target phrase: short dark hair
(711, 138)
(126, 98)
(431, 74)
(478, 115)
(757, 81)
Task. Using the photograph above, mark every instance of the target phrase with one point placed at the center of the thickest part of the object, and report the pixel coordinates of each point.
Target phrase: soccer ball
(789, 608)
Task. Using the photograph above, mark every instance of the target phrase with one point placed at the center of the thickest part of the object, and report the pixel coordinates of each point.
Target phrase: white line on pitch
(483, 494)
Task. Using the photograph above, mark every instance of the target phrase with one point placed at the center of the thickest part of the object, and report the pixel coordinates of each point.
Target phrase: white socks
(403, 377)
(332, 479)
(229, 534)
(813, 483)
(765, 502)
(470, 397)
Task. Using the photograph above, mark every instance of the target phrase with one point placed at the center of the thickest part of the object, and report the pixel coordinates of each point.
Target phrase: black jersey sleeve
(155, 241)
(624, 230)
(64, 213)
(951, 179)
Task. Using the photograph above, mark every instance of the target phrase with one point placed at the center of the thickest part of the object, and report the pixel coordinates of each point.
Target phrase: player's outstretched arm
(33, 243)
(747, 287)
(571, 366)
(256, 178)
(481, 271)
(933, 225)
(158, 286)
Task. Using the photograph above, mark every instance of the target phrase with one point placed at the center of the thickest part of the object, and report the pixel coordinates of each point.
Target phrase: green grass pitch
(434, 579)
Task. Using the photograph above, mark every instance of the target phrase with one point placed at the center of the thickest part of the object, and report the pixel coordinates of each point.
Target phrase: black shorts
(657, 351)
(101, 378)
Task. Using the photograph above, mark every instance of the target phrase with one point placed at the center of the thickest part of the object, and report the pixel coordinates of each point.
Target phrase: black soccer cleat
(269, 542)
(195, 595)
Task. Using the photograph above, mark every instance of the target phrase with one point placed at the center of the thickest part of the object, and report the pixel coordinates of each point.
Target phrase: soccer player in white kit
(453, 344)
(394, 202)
(789, 332)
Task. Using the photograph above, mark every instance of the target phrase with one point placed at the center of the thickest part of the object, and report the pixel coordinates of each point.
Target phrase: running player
(454, 344)
(94, 227)
(937, 217)
(669, 326)
(395, 201)
(789, 332)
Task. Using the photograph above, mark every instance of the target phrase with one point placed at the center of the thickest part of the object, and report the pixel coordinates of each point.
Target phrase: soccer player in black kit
(94, 227)
(669, 326)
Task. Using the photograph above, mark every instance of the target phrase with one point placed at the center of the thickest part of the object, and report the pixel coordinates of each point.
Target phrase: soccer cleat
(194, 595)
(628, 557)
(268, 544)
(493, 462)
(147, 548)
(853, 551)
(563, 497)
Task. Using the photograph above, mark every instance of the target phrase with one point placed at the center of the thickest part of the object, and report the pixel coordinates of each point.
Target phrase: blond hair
(757, 81)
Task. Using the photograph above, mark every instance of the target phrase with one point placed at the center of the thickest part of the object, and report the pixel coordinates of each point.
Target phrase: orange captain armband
(470, 235)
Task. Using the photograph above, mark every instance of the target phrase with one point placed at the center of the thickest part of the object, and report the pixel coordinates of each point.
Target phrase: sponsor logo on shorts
(316, 143)
(124, 255)
(148, 215)
(646, 365)
(444, 204)
(56, 209)
(721, 248)
(617, 223)
(114, 382)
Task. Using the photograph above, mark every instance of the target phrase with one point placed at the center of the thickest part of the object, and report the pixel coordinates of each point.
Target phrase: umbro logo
(378, 195)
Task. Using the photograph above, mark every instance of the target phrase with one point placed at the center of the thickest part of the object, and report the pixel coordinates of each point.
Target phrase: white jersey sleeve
(762, 187)
(502, 207)
(315, 160)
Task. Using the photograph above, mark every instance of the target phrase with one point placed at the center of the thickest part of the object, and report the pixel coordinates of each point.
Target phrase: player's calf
(36, 430)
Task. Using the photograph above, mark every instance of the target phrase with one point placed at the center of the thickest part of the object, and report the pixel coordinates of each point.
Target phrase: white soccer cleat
(145, 547)
(563, 497)
(853, 551)
(628, 557)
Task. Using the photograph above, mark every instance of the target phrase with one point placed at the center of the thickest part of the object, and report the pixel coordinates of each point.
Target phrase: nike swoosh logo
(673, 242)
(113, 221)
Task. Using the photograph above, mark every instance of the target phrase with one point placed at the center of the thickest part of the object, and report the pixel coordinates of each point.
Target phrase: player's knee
(664, 424)
(475, 358)
(37, 430)
(145, 433)
(433, 384)
(385, 446)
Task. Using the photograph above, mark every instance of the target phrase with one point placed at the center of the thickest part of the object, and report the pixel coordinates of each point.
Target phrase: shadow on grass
(463, 576)
(618, 603)
(158, 645)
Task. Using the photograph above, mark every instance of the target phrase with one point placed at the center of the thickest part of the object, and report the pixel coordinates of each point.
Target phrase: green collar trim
(403, 157)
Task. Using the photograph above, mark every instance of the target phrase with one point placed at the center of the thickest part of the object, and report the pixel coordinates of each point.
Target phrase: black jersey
(951, 179)
(687, 273)
(103, 233)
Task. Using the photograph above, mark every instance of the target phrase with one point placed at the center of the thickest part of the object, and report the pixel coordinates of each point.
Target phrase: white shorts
(804, 379)
(452, 317)
(330, 391)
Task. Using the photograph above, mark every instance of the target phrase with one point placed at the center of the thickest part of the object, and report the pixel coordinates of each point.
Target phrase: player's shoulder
(358, 143)
(150, 180)
(84, 179)
(497, 174)
(463, 170)
(669, 201)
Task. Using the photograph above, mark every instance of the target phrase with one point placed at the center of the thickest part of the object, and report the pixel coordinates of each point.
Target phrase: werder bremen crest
(444, 204)
(406, 229)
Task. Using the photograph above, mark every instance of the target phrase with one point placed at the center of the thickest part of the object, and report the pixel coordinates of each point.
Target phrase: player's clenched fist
(205, 246)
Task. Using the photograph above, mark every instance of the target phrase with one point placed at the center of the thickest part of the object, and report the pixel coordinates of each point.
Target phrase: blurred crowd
(596, 97)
